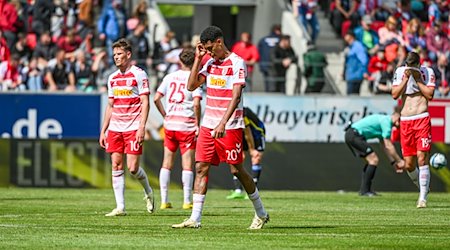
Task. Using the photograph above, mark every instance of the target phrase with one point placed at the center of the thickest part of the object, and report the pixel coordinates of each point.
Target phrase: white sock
(257, 204)
(197, 208)
(141, 176)
(187, 178)
(118, 184)
(164, 181)
(424, 181)
(414, 175)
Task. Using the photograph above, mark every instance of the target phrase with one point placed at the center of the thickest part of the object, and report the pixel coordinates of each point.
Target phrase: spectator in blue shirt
(112, 24)
(356, 61)
(265, 45)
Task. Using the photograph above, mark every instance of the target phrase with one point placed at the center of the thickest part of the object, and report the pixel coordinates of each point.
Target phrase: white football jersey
(221, 76)
(412, 87)
(179, 102)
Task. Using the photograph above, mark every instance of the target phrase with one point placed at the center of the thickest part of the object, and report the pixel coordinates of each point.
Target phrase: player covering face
(414, 84)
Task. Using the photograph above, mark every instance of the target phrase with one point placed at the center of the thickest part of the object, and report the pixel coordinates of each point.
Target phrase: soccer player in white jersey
(181, 124)
(124, 123)
(415, 85)
(220, 136)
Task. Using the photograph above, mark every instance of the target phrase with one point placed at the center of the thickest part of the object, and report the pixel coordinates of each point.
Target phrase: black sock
(369, 173)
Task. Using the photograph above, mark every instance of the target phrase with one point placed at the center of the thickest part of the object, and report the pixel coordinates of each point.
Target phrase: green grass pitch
(74, 219)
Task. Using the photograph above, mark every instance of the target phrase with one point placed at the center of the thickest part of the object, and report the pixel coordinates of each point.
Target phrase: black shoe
(368, 194)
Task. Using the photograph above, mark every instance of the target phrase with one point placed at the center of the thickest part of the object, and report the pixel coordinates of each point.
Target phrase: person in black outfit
(282, 56)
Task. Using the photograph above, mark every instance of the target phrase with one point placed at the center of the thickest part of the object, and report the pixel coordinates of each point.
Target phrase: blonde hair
(391, 19)
(415, 22)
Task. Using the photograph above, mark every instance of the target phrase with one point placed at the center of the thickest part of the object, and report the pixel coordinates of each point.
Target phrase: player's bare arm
(145, 108)
(249, 138)
(158, 104)
(426, 91)
(195, 80)
(198, 113)
(390, 151)
(251, 143)
(219, 131)
(106, 119)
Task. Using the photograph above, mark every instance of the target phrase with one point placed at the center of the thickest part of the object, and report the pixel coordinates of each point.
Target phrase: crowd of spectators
(379, 33)
(65, 44)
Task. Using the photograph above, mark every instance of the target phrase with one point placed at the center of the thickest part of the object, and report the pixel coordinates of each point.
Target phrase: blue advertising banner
(49, 115)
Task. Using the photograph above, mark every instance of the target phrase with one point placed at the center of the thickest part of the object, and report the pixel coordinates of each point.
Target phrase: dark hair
(15, 57)
(276, 27)
(187, 57)
(350, 33)
(285, 37)
(123, 44)
(212, 33)
(412, 58)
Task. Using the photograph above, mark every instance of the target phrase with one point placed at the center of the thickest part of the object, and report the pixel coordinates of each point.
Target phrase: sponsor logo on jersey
(215, 81)
(122, 92)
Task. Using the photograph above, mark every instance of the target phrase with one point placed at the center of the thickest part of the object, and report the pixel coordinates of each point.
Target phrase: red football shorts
(227, 149)
(415, 134)
(123, 142)
(184, 139)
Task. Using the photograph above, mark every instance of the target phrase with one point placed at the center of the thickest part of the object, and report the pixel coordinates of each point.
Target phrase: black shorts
(260, 144)
(357, 143)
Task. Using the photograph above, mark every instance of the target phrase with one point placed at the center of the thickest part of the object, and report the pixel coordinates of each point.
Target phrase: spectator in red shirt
(377, 65)
(10, 75)
(4, 49)
(69, 43)
(8, 14)
(437, 41)
(249, 52)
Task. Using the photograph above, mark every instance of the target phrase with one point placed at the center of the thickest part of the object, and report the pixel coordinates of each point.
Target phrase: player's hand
(399, 166)
(102, 140)
(417, 75)
(407, 73)
(140, 133)
(256, 155)
(200, 50)
(219, 131)
(197, 130)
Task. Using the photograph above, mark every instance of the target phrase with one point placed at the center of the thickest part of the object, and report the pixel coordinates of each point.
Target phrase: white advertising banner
(313, 118)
